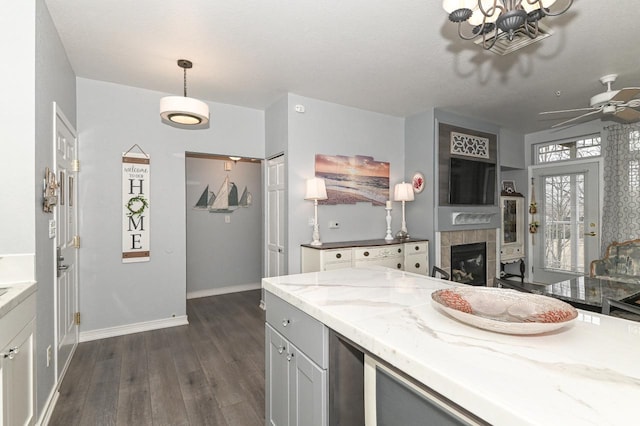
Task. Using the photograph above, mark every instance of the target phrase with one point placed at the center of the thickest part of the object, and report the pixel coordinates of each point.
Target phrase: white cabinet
(17, 364)
(410, 255)
(416, 257)
(296, 366)
(512, 229)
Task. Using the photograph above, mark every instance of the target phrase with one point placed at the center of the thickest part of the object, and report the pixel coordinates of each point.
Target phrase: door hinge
(77, 318)
(76, 241)
(75, 165)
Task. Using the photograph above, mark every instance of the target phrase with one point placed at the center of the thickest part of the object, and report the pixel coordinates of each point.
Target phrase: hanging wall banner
(135, 207)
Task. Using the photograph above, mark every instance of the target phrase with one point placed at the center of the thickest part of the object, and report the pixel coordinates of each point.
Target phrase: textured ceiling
(396, 57)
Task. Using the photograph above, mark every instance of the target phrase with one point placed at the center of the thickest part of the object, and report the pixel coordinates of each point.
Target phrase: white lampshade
(316, 189)
(531, 7)
(403, 192)
(477, 17)
(451, 5)
(184, 112)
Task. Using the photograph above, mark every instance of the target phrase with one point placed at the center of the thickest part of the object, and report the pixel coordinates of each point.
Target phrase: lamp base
(315, 243)
(402, 235)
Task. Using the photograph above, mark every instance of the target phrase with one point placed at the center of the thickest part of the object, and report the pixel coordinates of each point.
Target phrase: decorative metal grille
(468, 145)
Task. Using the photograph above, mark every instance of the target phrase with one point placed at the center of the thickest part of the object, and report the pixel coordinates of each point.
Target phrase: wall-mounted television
(471, 182)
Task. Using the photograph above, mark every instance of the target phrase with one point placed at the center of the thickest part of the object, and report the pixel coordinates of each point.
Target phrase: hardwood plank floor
(210, 372)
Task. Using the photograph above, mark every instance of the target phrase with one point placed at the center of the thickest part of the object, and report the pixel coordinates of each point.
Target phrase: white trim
(49, 407)
(120, 330)
(223, 290)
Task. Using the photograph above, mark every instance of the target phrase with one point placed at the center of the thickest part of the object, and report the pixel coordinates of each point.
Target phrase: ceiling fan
(620, 104)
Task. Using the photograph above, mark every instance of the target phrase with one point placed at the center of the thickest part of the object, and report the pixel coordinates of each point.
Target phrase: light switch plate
(52, 228)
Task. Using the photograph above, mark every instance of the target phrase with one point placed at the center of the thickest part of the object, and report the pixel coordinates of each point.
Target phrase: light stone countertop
(16, 293)
(587, 373)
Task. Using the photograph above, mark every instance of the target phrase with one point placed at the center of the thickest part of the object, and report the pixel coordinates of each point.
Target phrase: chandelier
(499, 19)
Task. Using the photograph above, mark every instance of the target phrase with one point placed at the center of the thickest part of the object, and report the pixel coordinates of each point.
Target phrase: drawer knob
(338, 255)
(285, 322)
(280, 349)
(399, 265)
(417, 248)
(417, 265)
(399, 250)
(366, 253)
(289, 357)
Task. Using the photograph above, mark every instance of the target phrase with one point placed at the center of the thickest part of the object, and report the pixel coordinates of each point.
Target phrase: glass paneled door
(568, 212)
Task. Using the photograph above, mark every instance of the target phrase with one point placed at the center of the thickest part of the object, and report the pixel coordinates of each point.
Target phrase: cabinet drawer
(342, 255)
(415, 248)
(304, 331)
(367, 253)
(417, 263)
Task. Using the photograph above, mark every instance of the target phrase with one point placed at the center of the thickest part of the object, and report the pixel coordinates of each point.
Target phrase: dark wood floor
(210, 372)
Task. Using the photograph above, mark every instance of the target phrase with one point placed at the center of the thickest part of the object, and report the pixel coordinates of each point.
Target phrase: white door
(568, 237)
(275, 217)
(67, 242)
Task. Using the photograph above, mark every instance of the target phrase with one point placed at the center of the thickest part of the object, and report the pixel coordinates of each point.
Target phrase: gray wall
(54, 81)
(419, 157)
(17, 130)
(111, 118)
(327, 128)
(219, 254)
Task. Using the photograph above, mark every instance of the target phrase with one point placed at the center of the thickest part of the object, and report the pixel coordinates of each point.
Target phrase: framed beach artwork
(351, 180)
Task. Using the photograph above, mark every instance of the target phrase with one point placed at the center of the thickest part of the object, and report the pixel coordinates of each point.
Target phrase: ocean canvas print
(351, 180)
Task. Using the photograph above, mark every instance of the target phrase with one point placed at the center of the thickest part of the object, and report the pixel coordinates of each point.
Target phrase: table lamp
(316, 190)
(403, 192)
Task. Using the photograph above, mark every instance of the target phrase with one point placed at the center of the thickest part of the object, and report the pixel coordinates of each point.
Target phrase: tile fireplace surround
(453, 238)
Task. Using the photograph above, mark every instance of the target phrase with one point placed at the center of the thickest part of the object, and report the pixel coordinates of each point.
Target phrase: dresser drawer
(305, 332)
(417, 263)
(368, 253)
(415, 248)
(341, 255)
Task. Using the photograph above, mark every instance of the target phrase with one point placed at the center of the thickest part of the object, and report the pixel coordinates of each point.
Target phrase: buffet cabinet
(296, 366)
(17, 364)
(410, 255)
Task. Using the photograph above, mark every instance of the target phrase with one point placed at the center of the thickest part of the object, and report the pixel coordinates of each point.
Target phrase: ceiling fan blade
(629, 115)
(580, 117)
(626, 94)
(570, 110)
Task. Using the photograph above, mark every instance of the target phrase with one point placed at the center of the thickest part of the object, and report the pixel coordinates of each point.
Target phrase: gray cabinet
(296, 366)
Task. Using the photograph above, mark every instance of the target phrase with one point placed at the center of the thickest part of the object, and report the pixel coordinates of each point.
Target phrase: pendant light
(184, 112)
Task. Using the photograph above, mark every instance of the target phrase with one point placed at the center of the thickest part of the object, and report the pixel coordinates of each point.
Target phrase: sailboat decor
(226, 201)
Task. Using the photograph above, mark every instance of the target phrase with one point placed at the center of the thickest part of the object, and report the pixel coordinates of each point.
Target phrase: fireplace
(469, 263)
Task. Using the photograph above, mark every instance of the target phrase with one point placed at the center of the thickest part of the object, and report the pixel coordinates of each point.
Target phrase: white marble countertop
(16, 293)
(587, 373)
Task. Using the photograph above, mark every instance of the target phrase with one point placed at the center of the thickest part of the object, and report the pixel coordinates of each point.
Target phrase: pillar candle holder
(389, 236)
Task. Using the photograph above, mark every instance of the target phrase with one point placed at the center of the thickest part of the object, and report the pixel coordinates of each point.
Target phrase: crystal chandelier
(499, 19)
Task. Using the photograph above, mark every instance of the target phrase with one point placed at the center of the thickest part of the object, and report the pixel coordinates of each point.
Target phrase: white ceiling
(397, 57)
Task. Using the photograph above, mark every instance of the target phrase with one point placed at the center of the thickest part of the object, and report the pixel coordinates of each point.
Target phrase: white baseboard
(48, 408)
(121, 330)
(222, 290)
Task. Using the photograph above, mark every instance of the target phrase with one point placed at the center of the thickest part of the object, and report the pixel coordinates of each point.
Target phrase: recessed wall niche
(468, 145)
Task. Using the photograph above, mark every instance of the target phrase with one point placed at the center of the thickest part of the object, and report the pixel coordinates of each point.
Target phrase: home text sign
(136, 207)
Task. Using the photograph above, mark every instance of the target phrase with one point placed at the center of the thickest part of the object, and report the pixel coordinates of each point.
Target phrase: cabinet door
(512, 240)
(277, 378)
(17, 379)
(308, 390)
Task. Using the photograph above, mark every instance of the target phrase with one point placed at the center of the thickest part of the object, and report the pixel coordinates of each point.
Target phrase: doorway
(569, 205)
(223, 224)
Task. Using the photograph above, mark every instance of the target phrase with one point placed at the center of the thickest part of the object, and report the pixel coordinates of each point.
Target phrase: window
(569, 150)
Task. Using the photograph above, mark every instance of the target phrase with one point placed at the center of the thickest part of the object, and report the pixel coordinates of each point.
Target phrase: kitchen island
(586, 373)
